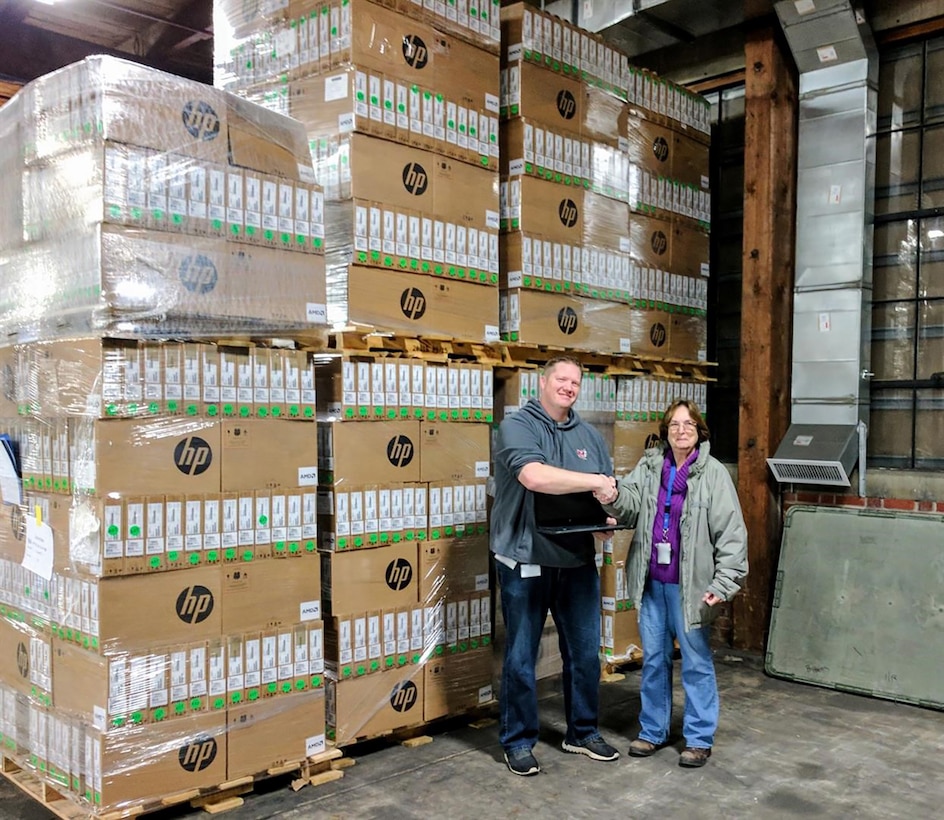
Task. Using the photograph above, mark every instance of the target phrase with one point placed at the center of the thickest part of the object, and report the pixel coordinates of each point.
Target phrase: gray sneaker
(522, 762)
(596, 748)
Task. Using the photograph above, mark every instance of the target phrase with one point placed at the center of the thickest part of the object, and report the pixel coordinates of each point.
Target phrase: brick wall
(835, 500)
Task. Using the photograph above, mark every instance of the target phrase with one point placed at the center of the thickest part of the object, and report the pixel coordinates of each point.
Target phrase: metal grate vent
(816, 454)
(808, 472)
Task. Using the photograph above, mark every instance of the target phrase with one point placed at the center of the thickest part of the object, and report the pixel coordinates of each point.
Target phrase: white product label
(335, 88)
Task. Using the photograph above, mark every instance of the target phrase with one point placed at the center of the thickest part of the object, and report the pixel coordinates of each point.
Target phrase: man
(545, 447)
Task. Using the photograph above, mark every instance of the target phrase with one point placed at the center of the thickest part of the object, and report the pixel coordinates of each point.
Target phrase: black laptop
(570, 513)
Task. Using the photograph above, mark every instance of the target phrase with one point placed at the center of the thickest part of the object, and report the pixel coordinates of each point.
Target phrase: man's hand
(606, 493)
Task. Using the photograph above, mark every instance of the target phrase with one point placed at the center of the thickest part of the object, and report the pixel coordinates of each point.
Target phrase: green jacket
(713, 535)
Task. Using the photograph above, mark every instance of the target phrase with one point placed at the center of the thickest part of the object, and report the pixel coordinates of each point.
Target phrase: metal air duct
(838, 64)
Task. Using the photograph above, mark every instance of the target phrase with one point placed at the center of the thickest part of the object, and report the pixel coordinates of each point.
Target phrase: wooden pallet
(615, 668)
(511, 355)
(314, 771)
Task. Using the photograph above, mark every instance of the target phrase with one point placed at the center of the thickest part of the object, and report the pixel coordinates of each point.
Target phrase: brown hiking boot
(642, 748)
(692, 758)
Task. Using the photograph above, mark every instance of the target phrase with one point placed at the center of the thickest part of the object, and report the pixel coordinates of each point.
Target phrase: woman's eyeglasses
(681, 425)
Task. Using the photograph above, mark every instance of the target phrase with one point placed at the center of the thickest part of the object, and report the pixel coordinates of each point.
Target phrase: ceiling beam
(197, 17)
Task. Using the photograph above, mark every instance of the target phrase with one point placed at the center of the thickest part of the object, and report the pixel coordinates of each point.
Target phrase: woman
(689, 553)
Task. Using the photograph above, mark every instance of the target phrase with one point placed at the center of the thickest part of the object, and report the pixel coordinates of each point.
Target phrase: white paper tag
(317, 313)
(307, 476)
(38, 555)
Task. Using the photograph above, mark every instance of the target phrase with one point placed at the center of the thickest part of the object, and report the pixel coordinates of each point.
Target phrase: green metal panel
(859, 603)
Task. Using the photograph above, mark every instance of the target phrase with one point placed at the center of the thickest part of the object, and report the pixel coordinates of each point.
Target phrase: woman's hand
(607, 492)
(711, 599)
(605, 535)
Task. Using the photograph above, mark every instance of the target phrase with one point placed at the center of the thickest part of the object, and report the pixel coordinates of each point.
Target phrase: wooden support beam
(770, 157)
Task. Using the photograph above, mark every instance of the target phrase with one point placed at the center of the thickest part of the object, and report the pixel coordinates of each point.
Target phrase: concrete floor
(782, 750)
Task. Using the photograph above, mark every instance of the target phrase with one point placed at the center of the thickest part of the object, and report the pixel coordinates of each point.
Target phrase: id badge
(663, 552)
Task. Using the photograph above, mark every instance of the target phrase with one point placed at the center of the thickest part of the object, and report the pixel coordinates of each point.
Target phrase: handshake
(606, 491)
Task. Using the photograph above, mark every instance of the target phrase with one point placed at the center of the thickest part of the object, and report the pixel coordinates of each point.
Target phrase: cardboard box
(26, 659)
(421, 305)
(378, 452)
(562, 102)
(403, 177)
(398, 45)
(630, 440)
(567, 321)
(620, 634)
(275, 732)
(148, 763)
(129, 456)
(453, 452)
(374, 705)
(136, 105)
(260, 453)
(266, 594)
(688, 338)
(172, 606)
(367, 101)
(206, 280)
(382, 578)
(452, 567)
(456, 684)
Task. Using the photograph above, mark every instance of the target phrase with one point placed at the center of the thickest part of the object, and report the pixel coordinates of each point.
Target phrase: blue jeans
(573, 598)
(661, 620)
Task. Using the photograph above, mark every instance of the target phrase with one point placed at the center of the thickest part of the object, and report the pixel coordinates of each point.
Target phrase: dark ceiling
(173, 35)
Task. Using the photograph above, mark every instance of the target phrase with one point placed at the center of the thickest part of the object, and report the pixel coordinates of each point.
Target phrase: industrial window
(907, 397)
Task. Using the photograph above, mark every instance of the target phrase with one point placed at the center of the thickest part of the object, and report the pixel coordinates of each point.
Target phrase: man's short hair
(552, 363)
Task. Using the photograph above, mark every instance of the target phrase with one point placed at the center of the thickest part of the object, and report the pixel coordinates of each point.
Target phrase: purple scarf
(669, 573)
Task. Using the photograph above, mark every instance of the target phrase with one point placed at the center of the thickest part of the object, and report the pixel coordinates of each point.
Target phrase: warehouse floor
(782, 750)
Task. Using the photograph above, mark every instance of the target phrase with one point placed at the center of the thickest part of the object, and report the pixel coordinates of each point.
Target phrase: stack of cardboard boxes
(160, 616)
(402, 521)
(604, 197)
(400, 103)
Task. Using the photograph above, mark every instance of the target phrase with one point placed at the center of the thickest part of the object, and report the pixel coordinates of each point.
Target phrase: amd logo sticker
(659, 242)
(660, 149)
(198, 754)
(193, 455)
(652, 440)
(194, 604)
(566, 104)
(415, 52)
(400, 451)
(201, 121)
(567, 320)
(658, 334)
(403, 697)
(22, 660)
(399, 574)
(568, 213)
(413, 303)
(198, 274)
(415, 179)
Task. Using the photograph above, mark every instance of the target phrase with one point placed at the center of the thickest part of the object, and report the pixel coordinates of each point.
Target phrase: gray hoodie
(530, 436)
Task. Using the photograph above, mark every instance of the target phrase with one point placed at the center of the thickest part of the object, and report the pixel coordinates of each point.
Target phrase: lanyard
(668, 503)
